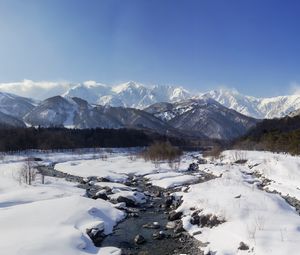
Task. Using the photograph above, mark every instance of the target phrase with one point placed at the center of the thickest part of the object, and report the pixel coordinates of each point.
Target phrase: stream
(148, 220)
(154, 210)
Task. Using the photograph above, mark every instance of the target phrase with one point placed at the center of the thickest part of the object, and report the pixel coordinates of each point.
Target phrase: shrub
(163, 152)
(214, 152)
(239, 157)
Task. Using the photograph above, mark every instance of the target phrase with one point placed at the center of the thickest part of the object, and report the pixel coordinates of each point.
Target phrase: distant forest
(278, 135)
(17, 139)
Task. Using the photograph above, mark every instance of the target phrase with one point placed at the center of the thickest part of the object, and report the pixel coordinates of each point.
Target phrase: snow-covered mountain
(137, 95)
(203, 117)
(130, 94)
(54, 111)
(273, 107)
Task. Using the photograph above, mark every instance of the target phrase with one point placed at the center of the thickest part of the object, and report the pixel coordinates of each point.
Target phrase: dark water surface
(125, 232)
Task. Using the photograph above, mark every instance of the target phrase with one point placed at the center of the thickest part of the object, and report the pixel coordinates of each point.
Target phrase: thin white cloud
(38, 90)
(295, 88)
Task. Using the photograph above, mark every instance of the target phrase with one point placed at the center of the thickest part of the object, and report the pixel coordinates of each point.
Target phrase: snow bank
(51, 218)
(264, 221)
(282, 169)
(115, 168)
(55, 226)
(170, 179)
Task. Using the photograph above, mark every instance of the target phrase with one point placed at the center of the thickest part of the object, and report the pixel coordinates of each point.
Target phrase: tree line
(17, 139)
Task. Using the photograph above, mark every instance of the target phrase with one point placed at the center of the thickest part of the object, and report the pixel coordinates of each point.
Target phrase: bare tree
(28, 172)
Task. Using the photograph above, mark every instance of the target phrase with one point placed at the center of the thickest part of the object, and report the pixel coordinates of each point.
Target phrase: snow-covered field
(263, 221)
(52, 218)
(117, 168)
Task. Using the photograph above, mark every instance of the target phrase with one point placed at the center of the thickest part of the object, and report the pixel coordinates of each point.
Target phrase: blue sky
(251, 45)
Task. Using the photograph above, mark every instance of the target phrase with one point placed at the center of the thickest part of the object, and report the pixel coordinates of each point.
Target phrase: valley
(149, 127)
(101, 202)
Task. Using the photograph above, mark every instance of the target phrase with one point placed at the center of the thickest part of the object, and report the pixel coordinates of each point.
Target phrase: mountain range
(130, 94)
(202, 118)
(218, 114)
(260, 108)
(136, 95)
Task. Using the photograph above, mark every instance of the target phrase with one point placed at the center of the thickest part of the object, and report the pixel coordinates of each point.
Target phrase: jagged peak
(124, 86)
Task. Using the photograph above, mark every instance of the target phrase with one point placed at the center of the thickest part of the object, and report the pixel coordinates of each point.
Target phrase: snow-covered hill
(273, 107)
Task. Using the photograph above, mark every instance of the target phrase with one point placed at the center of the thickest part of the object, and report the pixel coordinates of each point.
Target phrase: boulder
(195, 220)
(126, 200)
(202, 161)
(96, 235)
(170, 225)
(139, 239)
(179, 227)
(101, 195)
(159, 236)
(193, 167)
(209, 220)
(174, 215)
(169, 201)
(154, 225)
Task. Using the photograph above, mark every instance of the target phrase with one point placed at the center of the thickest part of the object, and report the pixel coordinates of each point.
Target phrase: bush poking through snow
(243, 246)
(132, 157)
(103, 157)
(205, 220)
(214, 153)
(239, 157)
(163, 152)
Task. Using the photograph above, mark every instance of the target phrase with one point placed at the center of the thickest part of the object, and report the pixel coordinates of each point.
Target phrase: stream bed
(153, 211)
(140, 221)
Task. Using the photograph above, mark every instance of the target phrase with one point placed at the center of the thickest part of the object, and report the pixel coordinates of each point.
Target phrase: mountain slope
(7, 121)
(273, 107)
(14, 105)
(54, 111)
(89, 91)
(204, 117)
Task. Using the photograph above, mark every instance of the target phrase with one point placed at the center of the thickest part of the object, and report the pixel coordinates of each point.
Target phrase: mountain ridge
(137, 95)
(261, 108)
(205, 116)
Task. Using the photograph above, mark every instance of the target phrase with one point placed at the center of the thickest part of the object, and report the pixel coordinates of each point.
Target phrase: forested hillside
(279, 135)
